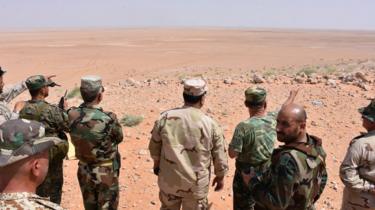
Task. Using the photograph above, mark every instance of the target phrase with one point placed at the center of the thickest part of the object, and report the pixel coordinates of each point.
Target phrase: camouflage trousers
(53, 183)
(172, 202)
(99, 186)
(242, 199)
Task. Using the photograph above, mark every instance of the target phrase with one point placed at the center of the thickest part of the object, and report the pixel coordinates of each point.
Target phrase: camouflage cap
(369, 111)
(2, 71)
(22, 138)
(38, 81)
(91, 84)
(255, 95)
(195, 87)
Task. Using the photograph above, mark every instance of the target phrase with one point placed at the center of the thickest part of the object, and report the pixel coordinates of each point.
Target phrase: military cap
(2, 71)
(255, 95)
(91, 84)
(369, 111)
(195, 87)
(22, 138)
(38, 81)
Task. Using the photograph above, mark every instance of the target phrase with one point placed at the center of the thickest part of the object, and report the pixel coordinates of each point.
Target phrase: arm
(13, 92)
(235, 146)
(155, 146)
(349, 170)
(116, 132)
(219, 157)
(276, 189)
(292, 95)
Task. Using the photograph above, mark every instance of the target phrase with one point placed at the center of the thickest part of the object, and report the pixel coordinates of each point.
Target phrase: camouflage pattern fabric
(29, 201)
(7, 96)
(171, 202)
(254, 141)
(369, 111)
(358, 174)
(36, 82)
(56, 122)
(195, 87)
(255, 95)
(296, 178)
(96, 135)
(185, 140)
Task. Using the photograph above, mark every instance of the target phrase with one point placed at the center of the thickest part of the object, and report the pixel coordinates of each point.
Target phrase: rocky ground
(143, 70)
(331, 95)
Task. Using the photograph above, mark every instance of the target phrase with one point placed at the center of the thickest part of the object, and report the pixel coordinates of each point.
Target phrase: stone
(257, 79)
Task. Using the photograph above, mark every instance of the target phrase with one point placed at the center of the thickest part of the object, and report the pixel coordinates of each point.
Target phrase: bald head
(291, 123)
(294, 111)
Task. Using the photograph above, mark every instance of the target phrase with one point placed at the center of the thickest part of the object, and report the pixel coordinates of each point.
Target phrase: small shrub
(131, 120)
(73, 93)
(307, 70)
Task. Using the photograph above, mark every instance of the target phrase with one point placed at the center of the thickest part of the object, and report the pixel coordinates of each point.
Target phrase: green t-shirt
(254, 139)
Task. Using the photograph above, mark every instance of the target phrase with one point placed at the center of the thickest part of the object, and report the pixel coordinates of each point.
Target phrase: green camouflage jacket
(186, 141)
(53, 118)
(95, 134)
(296, 178)
(254, 140)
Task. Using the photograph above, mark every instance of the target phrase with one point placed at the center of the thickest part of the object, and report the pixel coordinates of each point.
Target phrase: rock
(299, 79)
(312, 81)
(228, 81)
(130, 83)
(153, 203)
(258, 79)
(331, 82)
(363, 86)
(142, 152)
(313, 123)
(361, 76)
(317, 103)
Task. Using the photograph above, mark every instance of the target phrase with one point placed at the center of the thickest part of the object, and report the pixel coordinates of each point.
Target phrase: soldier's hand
(218, 183)
(50, 76)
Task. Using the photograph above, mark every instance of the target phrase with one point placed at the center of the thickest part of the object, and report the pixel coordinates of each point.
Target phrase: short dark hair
(89, 96)
(34, 92)
(192, 99)
(253, 105)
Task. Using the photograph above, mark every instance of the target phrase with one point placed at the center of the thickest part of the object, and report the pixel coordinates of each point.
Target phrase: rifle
(62, 101)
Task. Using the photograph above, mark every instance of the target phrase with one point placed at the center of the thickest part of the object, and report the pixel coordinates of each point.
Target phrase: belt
(103, 163)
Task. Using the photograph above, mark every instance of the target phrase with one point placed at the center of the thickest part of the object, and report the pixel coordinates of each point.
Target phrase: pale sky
(308, 14)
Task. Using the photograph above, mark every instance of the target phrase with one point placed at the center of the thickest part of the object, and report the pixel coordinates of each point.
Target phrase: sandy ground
(164, 57)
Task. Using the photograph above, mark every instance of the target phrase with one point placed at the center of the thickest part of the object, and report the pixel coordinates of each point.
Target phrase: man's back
(254, 140)
(189, 141)
(95, 134)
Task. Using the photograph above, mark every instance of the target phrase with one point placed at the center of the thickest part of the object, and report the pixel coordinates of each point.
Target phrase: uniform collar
(19, 195)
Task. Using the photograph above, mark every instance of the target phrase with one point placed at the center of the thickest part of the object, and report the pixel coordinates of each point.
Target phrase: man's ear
(303, 125)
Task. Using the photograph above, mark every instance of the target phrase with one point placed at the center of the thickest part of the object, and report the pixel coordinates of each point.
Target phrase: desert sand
(143, 68)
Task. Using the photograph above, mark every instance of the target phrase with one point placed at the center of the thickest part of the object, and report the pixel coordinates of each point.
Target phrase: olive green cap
(38, 81)
(255, 95)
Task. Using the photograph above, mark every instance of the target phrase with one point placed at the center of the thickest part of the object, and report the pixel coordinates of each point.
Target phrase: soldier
(183, 143)
(357, 171)
(96, 135)
(7, 96)
(24, 165)
(252, 143)
(56, 122)
(297, 174)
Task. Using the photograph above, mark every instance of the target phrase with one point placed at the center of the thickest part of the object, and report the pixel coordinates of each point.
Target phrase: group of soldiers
(184, 144)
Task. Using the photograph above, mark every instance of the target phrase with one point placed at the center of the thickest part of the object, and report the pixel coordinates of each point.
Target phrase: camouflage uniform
(296, 178)
(96, 135)
(185, 141)
(21, 139)
(56, 122)
(253, 140)
(24, 200)
(357, 171)
(7, 96)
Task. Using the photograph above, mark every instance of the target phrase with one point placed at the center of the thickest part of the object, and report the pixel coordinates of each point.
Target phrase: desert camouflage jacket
(357, 172)
(7, 96)
(254, 140)
(296, 178)
(95, 134)
(186, 141)
(29, 201)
